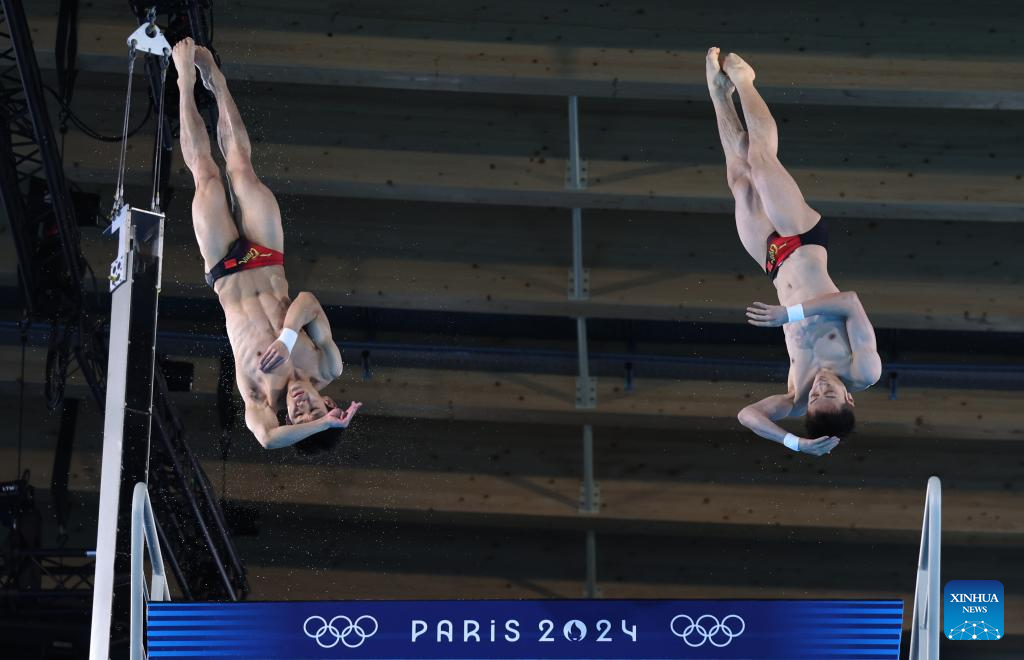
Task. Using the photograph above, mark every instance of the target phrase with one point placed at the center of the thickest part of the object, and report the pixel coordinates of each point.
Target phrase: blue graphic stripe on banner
(241, 634)
(218, 621)
(855, 604)
(199, 654)
(196, 614)
(853, 650)
(854, 610)
(843, 641)
(213, 643)
(827, 620)
(841, 603)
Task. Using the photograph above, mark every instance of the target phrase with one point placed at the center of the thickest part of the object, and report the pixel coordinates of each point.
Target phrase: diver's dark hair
(319, 443)
(838, 423)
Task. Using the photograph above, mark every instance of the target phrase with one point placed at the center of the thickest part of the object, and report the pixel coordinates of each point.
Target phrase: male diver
(284, 353)
(830, 340)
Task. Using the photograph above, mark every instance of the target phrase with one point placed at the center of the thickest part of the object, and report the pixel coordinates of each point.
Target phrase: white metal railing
(144, 538)
(924, 627)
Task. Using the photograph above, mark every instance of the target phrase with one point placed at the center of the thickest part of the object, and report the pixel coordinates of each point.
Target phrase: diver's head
(304, 403)
(829, 406)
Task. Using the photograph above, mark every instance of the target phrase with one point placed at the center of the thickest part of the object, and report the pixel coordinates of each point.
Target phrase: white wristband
(795, 313)
(792, 441)
(288, 337)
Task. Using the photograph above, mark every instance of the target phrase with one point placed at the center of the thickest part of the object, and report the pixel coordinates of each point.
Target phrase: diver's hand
(766, 316)
(340, 419)
(272, 358)
(819, 446)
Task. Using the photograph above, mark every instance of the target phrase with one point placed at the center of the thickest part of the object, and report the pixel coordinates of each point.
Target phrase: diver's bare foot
(184, 55)
(739, 72)
(208, 69)
(718, 82)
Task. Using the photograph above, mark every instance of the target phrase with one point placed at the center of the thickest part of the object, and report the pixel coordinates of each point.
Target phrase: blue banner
(549, 629)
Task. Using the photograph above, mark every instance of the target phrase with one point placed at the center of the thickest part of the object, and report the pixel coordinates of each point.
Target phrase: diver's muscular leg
(211, 218)
(734, 138)
(259, 214)
(779, 193)
(752, 225)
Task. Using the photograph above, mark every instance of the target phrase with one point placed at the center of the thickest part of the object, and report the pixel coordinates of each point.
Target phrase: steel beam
(951, 375)
(28, 68)
(591, 590)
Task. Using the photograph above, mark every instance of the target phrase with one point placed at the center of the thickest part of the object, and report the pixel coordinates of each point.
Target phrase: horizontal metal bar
(61, 553)
(613, 364)
(55, 594)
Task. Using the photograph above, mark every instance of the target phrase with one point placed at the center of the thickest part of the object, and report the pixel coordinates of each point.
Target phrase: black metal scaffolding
(39, 205)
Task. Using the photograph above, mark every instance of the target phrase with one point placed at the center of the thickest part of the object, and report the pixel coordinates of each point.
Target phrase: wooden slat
(504, 260)
(554, 501)
(280, 54)
(274, 583)
(613, 184)
(912, 27)
(540, 451)
(491, 496)
(668, 404)
(905, 143)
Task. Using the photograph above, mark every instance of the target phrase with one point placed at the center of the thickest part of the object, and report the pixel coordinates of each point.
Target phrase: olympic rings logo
(707, 628)
(344, 634)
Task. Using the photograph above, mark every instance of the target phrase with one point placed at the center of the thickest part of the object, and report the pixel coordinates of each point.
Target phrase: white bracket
(586, 392)
(594, 505)
(127, 223)
(584, 285)
(149, 39)
(119, 266)
(583, 175)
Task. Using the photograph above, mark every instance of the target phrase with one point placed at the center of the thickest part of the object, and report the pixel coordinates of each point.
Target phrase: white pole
(925, 625)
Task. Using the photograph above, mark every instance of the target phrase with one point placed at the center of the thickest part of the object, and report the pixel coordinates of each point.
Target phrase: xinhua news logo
(973, 610)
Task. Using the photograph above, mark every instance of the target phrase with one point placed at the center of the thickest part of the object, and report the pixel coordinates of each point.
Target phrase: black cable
(96, 135)
(21, 390)
(58, 357)
(66, 48)
(95, 285)
(223, 478)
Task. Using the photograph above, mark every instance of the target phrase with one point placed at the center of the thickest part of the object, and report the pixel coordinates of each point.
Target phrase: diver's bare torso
(817, 341)
(255, 303)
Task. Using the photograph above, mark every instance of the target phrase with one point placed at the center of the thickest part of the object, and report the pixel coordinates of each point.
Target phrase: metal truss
(47, 575)
(193, 534)
(52, 269)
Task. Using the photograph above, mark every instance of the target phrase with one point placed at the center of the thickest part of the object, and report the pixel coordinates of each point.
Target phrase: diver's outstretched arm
(262, 421)
(760, 418)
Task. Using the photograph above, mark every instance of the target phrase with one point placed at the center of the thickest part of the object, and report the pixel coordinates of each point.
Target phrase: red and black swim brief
(780, 247)
(244, 255)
